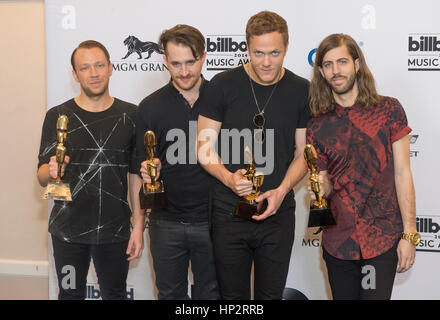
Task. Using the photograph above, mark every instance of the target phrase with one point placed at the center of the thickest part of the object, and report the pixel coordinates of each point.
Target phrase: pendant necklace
(259, 119)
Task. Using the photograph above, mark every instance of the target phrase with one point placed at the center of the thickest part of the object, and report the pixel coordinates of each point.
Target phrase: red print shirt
(354, 145)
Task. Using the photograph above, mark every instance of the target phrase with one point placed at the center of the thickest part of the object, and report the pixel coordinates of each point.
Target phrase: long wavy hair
(321, 98)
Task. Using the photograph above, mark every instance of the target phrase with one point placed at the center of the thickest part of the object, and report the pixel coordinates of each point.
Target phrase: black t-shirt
(101, 147)
(167, 113)
(230, 100)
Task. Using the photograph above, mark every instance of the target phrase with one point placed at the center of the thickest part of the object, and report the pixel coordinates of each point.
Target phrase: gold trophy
(247, 206)
(152, 195)
(320, 213)
(57, 190)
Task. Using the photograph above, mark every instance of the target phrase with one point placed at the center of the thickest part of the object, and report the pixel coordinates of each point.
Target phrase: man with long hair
(363, 154)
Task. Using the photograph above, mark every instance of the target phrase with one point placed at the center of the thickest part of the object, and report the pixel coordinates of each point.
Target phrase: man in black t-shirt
(262, 106)
(181, 233)
(100, 153)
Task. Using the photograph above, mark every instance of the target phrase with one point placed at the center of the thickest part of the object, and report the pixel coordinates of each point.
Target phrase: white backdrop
(396, 36)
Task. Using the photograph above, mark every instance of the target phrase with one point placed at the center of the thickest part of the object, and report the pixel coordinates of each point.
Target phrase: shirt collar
(341, 111)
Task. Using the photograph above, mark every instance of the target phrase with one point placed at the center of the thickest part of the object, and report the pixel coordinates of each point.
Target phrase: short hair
(320, 94)
(185, 35)
(267, 22)
(89, 44)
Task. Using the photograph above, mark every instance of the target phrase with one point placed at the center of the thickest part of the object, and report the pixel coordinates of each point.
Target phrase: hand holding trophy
(152, 195)
(320, 213)
(247, 206)
(57, 190)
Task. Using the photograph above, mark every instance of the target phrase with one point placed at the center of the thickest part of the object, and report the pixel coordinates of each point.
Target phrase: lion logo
(135, 45)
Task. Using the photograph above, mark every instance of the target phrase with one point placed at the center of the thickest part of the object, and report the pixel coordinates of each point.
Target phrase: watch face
(416, 238)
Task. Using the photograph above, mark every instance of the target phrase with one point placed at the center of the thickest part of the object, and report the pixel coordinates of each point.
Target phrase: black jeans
(364, 279)
(173, 245)
(72, 261)
(239, 242)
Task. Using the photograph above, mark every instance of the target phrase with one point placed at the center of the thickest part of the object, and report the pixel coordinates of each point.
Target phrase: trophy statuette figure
(320, 213)
(247, 206)
(152, 195)
(57, 190)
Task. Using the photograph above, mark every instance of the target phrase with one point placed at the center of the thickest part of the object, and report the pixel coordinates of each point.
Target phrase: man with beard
(363, 154)
(269, 102)
(100, 153)
(180, 234)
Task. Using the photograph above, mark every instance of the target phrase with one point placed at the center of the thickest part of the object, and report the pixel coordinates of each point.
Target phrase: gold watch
(413, 237)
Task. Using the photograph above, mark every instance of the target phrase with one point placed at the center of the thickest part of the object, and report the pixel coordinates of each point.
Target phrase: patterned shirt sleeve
(398, 121)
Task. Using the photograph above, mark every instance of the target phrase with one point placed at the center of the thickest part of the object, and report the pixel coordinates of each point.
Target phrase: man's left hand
(274, 199)
(406, 253)
(135, 244)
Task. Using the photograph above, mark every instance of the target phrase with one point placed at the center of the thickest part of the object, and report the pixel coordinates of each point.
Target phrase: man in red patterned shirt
(363, 155)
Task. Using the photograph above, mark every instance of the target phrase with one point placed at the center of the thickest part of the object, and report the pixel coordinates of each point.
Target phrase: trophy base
(321, 218)
(58, 191)
(153, 200)
(246, 209)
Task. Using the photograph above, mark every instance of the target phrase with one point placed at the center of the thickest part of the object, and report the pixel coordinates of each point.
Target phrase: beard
(344, 89)
(186, 86)
(93, 94)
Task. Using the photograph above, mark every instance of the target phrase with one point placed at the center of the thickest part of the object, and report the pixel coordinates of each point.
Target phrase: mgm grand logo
(140, 56)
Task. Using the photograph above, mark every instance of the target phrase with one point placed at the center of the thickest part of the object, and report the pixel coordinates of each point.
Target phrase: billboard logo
(225, 44)
(427, 225)
(423, 43)
(429, 229)
(93, 292)
(423, 52)
(224, 52)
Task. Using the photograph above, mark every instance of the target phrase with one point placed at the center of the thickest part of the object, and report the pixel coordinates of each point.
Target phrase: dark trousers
(364, 279)
(173, 246)
(72, 261)
(239, 242)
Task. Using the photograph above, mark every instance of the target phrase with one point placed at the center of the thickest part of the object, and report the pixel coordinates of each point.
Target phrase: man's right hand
(239, 184)
(144, 171)
(53, 166)
(325, 186)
